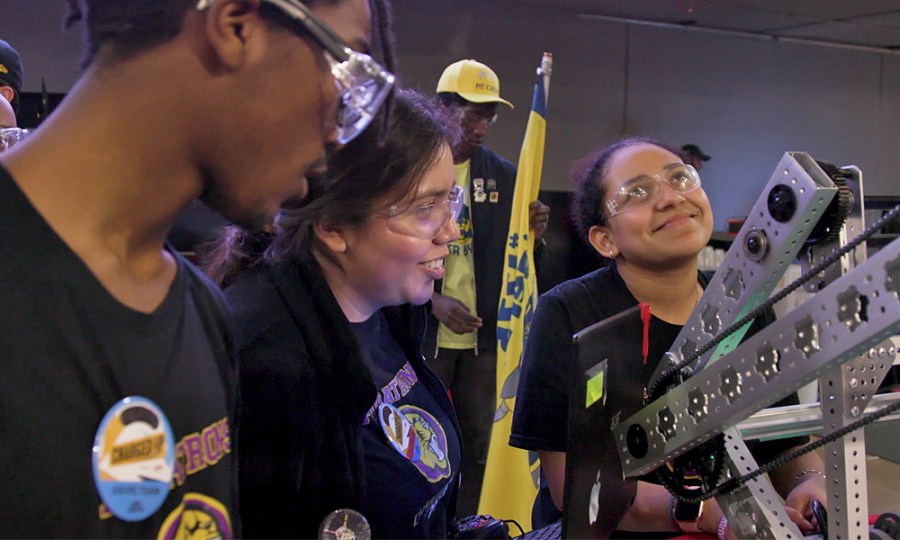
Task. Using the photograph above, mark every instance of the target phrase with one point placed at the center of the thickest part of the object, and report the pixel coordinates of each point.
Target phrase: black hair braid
(384, 24)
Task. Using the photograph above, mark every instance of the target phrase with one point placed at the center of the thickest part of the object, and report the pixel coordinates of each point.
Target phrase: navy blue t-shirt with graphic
(410, 446)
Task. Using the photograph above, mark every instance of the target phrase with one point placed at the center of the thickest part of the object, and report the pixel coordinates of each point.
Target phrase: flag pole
(511, 475)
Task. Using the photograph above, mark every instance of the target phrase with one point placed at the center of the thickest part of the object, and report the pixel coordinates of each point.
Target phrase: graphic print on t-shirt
(417, 436)
(133, 458)
(400, 385)
(137, 464)
(198, 516)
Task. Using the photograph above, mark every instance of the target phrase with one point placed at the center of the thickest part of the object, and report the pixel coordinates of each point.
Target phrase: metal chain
(736, 482)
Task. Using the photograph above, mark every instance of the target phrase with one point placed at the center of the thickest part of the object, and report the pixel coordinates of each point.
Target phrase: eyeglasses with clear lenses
(361, 81)
(472, 116)
(427, 220)
(10, 137)
(640, 191)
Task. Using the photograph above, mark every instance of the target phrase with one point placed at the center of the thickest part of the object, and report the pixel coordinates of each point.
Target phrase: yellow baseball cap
(473, 81)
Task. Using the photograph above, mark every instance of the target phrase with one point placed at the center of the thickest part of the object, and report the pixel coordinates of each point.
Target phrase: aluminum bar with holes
(856, 311)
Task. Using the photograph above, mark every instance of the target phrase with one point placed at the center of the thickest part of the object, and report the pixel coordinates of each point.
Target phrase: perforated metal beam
(855, 312)
(790, 206)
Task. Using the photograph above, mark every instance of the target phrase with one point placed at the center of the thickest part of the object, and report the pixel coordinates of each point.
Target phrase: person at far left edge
(119, 381)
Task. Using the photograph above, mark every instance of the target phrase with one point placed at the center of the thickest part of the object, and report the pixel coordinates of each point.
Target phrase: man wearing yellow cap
(464, 344)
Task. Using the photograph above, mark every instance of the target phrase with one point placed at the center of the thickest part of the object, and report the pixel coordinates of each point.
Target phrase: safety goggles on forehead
(426, 220)
(640, 191)
(362, 82)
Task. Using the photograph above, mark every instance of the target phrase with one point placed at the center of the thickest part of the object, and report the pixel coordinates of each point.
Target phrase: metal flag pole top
(546, 70)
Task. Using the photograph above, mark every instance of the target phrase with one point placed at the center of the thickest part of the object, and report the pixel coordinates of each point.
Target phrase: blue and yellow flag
(511, 475)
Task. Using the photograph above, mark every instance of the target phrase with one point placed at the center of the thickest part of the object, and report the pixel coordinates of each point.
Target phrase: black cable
(516, 523)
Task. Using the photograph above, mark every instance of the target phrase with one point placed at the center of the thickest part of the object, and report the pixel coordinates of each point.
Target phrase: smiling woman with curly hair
(639, 206)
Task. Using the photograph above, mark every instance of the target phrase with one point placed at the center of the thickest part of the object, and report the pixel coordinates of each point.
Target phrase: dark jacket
(490, 225)
(305, 391)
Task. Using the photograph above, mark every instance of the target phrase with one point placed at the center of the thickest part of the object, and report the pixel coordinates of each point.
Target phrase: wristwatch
(687, 515)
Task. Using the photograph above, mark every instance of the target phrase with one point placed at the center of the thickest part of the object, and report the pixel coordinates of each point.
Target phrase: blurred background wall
(743, 97)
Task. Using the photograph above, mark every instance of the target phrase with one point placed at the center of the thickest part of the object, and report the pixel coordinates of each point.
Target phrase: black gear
(698, 469)
(829, 226)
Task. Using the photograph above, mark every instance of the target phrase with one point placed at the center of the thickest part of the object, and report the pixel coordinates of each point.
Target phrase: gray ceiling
(865, 23)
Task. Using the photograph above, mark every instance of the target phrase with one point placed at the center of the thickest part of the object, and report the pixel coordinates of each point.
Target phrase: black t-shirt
(69, 354)
(542, 401)
(409, 472)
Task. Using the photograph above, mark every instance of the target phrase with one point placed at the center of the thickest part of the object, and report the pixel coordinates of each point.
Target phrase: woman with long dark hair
(338, 408)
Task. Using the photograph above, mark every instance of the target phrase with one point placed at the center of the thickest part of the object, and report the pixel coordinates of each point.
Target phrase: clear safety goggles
(363, 84)
(427, 220)
(642, 190)
(473, 117)
(11, 136)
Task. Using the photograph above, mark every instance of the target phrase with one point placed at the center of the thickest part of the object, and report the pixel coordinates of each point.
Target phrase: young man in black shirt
(118, 391)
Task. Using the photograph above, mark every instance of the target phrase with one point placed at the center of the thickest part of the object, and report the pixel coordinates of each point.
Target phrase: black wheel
(889, 522)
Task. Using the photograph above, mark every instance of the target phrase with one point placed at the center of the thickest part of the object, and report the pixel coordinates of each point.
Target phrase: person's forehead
(439, 177)
(636, 160)
(349, 19)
